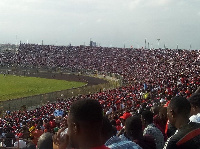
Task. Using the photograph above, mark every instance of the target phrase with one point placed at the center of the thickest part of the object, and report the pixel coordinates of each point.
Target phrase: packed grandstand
(151, 77)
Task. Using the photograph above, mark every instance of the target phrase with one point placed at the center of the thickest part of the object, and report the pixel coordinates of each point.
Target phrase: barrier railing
(9, 143)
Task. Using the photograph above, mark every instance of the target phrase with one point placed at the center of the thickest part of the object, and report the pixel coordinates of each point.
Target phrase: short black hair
(107, 128)
(148, 116)
(133, 126)
(156, 109)
(195, 99)
(45, 141)
(86, 110)
(181, 105)
(113, 122)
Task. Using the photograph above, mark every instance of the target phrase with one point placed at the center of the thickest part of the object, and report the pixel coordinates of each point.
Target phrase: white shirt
(22, 144)
(195, 118)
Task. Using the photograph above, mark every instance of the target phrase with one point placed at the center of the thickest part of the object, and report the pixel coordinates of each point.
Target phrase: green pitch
(12, 87)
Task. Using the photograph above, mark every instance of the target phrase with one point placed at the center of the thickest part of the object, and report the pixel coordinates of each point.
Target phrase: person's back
(147, 142)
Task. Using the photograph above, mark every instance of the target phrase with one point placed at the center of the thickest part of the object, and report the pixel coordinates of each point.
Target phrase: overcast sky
(108, 22)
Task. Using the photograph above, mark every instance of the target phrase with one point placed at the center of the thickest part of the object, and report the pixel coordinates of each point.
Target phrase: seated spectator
(122, 134)
(32, 127)
(9, 138)
(21, 143)
(134, 131)
(36, 133)
(45, 141)
(195, 108)
(188, 133)
(112, 141)
(151, 129)
(25, 130)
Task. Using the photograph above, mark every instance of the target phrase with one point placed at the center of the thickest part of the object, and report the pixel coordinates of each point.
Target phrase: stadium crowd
(153, 78)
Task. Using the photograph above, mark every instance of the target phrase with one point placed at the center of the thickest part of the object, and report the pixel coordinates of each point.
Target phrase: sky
(110, 23)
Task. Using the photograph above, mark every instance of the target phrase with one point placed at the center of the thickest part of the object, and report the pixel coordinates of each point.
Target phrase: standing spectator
(151, 129)
(188, 133)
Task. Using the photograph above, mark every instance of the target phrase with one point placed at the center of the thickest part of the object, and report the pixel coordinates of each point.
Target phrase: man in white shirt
(195, 107)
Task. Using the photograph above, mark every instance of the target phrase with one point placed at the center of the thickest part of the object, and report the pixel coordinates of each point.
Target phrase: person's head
(147, 118)
(178, 111)
(155, 110)
(124, 117)
(163, 114)
(107, 130)
(113, 122)
(45, 141)
(195, 103)
(133, 127)
(85, 123)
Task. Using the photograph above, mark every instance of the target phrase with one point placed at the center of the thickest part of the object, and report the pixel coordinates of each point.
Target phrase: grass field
(12, 87)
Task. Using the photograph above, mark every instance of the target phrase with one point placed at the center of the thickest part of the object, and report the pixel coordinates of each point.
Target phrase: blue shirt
(116, 143)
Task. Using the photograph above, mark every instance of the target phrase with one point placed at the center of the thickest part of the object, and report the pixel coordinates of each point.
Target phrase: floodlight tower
(158, 43)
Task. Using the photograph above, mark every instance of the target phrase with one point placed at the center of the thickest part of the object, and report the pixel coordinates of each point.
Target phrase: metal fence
(9, 143)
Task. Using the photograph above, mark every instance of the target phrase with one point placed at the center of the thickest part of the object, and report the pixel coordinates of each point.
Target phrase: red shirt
(100, 147)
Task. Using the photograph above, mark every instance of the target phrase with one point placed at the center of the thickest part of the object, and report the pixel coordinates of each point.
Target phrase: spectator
(9, 138)
(36, 133)
(195, 108)
(151, 129)
(188, 133)
(30, 144)
(122, 134)
(158, 75)
(21, 143)
(45, 141)
(112, 141)
(85, 124)
(134, 131)
(163, 121)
